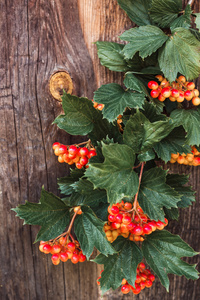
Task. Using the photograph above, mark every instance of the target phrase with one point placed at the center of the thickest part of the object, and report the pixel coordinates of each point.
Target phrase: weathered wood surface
(38, 38)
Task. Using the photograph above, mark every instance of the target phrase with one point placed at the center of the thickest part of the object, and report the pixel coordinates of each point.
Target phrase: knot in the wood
(58, 82)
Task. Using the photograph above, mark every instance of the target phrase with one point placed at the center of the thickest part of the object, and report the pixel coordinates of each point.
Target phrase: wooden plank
(37, 39)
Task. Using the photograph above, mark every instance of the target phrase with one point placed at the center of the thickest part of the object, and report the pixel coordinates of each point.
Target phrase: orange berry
(196, 101)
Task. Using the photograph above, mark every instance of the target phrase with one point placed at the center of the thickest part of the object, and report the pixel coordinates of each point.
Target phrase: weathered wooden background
(39, 37)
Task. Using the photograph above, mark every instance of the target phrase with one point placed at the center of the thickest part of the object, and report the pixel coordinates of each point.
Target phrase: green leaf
(180, 55)
(134, 83)
(190, 120)
(89, 231)
(197, 21)
(184, 20)
(164, 12)
(196, 33)
(50, 213)
(79, 115)
(154, 194)
(101, 211)
(137, 10)
(116, 99)
(120, 265)
(116, 173)
(146, 156)
(163, 250)
(152, 114)
(142, 135)
(145, 39)
(172, 213)
(111, 57)
(65, 183)
(175, 142)
(177, 182)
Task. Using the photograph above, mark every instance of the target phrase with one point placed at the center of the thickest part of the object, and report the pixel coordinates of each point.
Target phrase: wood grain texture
(39, 37)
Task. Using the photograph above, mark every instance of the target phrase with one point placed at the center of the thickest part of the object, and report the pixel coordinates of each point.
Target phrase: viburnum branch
(83, 143)
(136, 196)
(69, 228)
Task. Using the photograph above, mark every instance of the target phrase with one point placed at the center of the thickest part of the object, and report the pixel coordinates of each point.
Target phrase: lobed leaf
(163, 250)
(155, 193)
(145, 39)
(141, 135)
(89, 231)
(137, 10)
(115, 174)
(50, 213)
(190, 120)
(120, 265)
(164, 12)
(173, 57)
(116, 99)
(184, 20)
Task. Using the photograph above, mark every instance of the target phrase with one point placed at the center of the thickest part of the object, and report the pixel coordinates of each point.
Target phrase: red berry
(83, 151)
(125, 289)
(75, 258)
(79, 165)
(56, 145)
(166, 92)
(119, 218)
(55, 259)
(63, 256)
(69, 253)
(151, 277)
(124, 228)
(138, 230)
(141, 266)
(147, 229)
(188, 95)
(83, 160)
(174, 93)
(111, 218)
(126, 219)
(55, 249)
(128, 206)
(71, 246)
(148, 283)
(82, 257)
(153, 85)
(138, 279)
(73, 150)
(115, 225)
(62, 149)
(161, 98)
(190, 85)
(154, 93)
(142, 285)
(131, 226)
(153, 225)
(114, 210)
(91, 153)
(160, 225)
(47, 248)
(137, 289)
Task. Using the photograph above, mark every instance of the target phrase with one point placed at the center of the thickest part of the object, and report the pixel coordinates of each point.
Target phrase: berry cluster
(73, 155)
(179, 90)
(144, 278)
(133, 224)
(62, 250)
(191, 159)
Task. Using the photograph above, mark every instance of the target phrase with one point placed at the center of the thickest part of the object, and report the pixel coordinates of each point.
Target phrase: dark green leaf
(149, 155)
(163, 250)
(155, 194)
(137, 10)
(173, 57)
(120, 265)
(175, 142)
(184, 20)
(111, 57)
(177, 182)
(164, 12)
(151, 113)
(66, 182)
(190, 120)
(50, 213)
(145, 39)
(142, 135)
(196, 33)
(116, 99)
(101, 211)
(89, 231)
(116, 173)
(172, 213)
(134, 83)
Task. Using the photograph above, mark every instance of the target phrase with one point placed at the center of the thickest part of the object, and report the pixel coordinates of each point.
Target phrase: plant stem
(69, 228)
(136, 196)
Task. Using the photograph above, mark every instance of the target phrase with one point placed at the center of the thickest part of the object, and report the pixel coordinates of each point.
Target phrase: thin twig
(136, 196)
